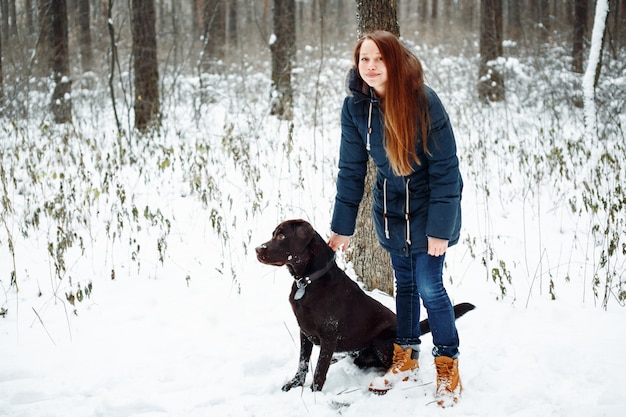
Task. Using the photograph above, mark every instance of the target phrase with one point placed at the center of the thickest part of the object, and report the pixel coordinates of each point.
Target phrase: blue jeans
(421, 276)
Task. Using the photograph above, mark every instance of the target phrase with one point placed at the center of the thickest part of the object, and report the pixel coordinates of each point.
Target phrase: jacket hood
(356, 87)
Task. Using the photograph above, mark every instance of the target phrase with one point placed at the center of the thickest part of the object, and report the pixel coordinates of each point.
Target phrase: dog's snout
(261, 247)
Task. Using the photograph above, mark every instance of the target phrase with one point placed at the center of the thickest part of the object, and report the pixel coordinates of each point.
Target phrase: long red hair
(404, 90)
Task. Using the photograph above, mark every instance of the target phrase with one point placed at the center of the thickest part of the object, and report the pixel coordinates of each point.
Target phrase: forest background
(100, 96)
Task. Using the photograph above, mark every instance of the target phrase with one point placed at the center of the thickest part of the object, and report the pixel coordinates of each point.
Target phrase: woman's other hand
(437, 247)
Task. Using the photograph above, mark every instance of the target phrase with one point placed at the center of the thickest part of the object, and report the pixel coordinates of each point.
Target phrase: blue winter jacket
(432, 193)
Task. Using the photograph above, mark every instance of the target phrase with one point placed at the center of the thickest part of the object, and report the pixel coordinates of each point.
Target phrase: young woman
(417, 196)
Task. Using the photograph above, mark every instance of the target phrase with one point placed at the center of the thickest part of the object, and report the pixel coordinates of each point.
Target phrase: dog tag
(299, 293)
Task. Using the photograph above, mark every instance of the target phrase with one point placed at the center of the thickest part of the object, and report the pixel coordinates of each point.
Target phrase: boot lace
(444, 374)
(399, 360)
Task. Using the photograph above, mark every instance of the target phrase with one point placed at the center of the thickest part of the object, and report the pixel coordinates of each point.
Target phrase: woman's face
(371, 66)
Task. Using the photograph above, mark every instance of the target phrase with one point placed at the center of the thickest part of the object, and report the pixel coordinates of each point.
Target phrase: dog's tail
(459, 310)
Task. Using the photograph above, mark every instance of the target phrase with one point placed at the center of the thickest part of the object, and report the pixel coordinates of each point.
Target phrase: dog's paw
(316, 387)
(295, 382)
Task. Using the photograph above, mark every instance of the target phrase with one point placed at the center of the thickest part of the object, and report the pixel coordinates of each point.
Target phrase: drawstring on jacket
(407, 211)
(369, 125)
(385, 208)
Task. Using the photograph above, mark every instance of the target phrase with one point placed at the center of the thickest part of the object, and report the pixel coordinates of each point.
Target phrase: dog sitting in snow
(331, 309)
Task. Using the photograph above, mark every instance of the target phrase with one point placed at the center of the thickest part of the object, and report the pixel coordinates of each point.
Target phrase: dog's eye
(280, 236)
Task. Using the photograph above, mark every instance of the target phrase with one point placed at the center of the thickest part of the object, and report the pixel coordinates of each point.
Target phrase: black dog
(331, 309)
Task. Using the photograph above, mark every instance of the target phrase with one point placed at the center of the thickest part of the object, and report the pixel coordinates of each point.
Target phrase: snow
(209, 331)
(165, 349)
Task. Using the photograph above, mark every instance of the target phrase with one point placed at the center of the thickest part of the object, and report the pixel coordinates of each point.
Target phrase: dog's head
(289, 246)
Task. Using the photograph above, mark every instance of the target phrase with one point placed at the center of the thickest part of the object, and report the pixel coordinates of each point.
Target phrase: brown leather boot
(403, 368)
(449, 385)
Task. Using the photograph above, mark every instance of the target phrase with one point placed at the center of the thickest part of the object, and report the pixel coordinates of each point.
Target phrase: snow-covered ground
(167, 347)
(209, 331)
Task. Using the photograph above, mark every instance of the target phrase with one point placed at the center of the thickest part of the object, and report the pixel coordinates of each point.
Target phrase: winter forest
(147, 147)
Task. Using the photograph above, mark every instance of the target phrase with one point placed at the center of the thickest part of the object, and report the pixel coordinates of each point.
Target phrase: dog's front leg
(306, 347)
(327, 348)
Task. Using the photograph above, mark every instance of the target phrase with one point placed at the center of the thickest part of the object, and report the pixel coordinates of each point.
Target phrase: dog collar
(302, 283)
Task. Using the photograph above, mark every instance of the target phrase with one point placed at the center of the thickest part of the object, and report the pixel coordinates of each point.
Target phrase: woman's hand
(437, 247)
(338, 241)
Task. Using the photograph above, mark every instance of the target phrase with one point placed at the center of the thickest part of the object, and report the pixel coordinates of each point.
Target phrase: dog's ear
(303, 234)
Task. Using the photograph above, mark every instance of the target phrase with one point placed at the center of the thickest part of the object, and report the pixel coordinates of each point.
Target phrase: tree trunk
(468, 12)
(214, 51)
(377, 15)
(61, 104)
(30, 21)
(545, 19)
(370, 261)
(84, 35)
(448, 8)
(9, 19)
(4, 24)
(114, 61)
(232, 24)
(145, 63)
(196, 17)
(490, 83)
(283, 48)
(514, 21)
(581, 11)
(498, 21)
(1, 82)
(622, 22)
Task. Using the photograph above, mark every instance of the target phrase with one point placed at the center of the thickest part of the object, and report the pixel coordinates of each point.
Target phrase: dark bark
(1, 82)
(84, 34)
(4, 24)
(114, 61)
(491, 83)
(232, 24)
(283, 49)
(145, 62)
(581, 11)
(30, 20)
(514, 21)
(621, 18)
(58, 44)
(214, 34)
(376, 15)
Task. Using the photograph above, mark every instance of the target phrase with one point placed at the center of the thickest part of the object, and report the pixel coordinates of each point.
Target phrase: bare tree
(370, 260)
(581, 10)
(214, 34)
(5, 23)
(114, 61)
(9, 18)
(283, 48)
(59, 61)
(422, 8)
(621, 19)
(491, 83)
(1, 81)
(514, 20)
(147, 105)
(84, 34)
(196, 16)
(30, 20)
(232, 24)
(434, 9)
